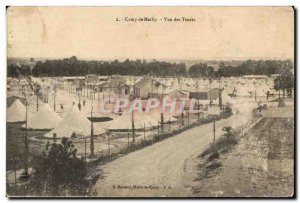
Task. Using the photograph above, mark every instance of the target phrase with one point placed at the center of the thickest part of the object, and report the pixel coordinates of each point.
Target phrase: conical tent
(241, 91)
(45, 118)
(124, 122)
(73, 123)
(226, 99)
(144, 119)
(155, 114)
(16, 112)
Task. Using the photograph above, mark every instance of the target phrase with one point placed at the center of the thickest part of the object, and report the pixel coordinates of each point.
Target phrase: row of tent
(75, 122)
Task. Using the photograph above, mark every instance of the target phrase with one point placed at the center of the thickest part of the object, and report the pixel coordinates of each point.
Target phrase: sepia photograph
(150, 102)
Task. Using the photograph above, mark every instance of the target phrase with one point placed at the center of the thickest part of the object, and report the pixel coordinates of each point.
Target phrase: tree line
(249, 67)
(253, 67)
(74, 67)
(14, 70)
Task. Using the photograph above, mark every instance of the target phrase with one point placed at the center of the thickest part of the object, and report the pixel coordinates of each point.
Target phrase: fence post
(15, 173)
(158, 128)
(144, 132)
(128, 136)
(85, 149)
(108, 143)
(214, 129)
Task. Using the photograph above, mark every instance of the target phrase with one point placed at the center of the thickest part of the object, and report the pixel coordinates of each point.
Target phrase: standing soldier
(79, 106)
(83, 102)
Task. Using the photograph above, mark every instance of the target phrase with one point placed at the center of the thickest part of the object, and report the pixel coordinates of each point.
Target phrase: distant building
(124, 89)
(103, 78)
(145, 86)
(115, 80)
(178, 94)
(115, 84)
(205, 94)
(91, 80)
(255, 76)
(72, 79)
(79, 82)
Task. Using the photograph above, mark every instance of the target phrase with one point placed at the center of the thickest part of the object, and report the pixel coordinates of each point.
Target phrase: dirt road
(160, 170)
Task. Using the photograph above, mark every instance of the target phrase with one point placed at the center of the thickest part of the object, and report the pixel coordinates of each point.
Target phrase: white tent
(16, 112)
(124, 121)
(242, 91)
(225, 98)
(74, 122)
(155, 114)
(144, 119)
(45, 118)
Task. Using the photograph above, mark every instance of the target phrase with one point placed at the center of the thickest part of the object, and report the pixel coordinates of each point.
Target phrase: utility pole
(26, 151)
(109, 93)
(220, 94)
(162, 113)
(108, 143)
(214, 129)
(26, 115)
(37, 100)
(158, 128)
(162, 122)
(144, 132)
(198, 94)
(92, 133)
(54, 137)
(198, 107)
(128, 136)
(85, 149)
(133, 130)
(210, 101)
(15, 173)
(54, 96)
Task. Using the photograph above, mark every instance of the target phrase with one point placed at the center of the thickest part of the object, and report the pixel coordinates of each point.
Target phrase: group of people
(79, 104)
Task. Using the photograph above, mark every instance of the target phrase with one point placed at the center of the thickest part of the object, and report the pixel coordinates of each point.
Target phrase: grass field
(15, 144)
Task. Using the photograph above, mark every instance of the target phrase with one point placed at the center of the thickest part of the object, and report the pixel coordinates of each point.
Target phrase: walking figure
(79, 106)
(83, 102)
(268, 94)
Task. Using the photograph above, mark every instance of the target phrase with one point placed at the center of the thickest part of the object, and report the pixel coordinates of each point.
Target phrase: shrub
(59, 172)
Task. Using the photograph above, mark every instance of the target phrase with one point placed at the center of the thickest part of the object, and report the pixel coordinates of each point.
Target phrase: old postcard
(153, 102)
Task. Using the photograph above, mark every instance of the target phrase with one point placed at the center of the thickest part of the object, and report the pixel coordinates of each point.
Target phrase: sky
(93, 32)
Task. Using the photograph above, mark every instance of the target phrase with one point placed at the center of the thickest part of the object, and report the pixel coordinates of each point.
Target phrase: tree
(201, 70)
(16, 70)
(228, 131)
(60, 173)
(285, 82)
